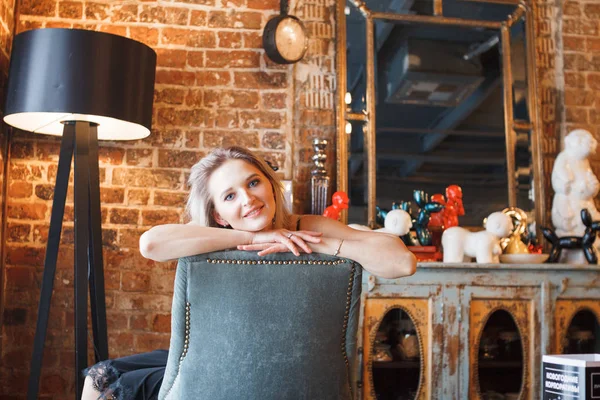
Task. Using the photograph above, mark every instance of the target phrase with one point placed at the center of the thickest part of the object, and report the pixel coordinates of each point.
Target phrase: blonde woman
(236, 201)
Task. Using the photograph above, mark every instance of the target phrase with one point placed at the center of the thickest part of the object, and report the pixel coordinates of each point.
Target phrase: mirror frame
(512, 126)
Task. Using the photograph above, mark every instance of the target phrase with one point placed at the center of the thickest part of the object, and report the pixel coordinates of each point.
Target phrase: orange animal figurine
(436, 220)
(340, 202)
(454, 206)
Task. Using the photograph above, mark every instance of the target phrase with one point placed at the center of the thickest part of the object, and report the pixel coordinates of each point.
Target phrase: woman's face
(243, 196)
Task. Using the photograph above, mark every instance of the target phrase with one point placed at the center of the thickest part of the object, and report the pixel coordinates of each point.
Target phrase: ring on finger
(290, 235)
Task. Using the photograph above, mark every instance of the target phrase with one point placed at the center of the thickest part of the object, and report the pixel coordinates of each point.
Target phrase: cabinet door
(502, 338)
(576, 321)
(389, 360)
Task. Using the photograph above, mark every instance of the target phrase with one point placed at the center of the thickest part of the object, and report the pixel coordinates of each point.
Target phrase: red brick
(16, 232)
(192, 139)
(114, 29)
(573, 43)
(52, 383)
(174, 77)
(195, 59)
(183, 117)
(572, 9)
(130, 238)
(194, 98)
(591, 11)
(234, 59)
(138, 321)
(135, 281)
(593, 81)
(169, 95)
(123, 341)
(19, 277)
(124, 216)
(138, 196)
(272, 100)
(148, 342)
(261, 119)
(111, 155)
(44, 191)
(21, 150)
(198, 18)
(97, 11)
(580, 27)
(167, 138)
(58, 24)
(146, 178)
(170, 58)
(221, 138)
(235, 19)
(252, 40)
(261, 80)
(125, 13)
(20, 189)
(46, 8)
(173, 199)
(160, 217)
(231, 99)
(577, 115)
(263, 4)
(230, 40)
(112, 195)
(201, 39)
(33, 256)
(575, 80)
(27, 211)
(273, 140)
(164, 15)
(25, 172)
(48, 151)
(577, 97)
(177, 158)
(140, 157)
(28, 25)
(161, 323)
(226, 119)
(213, 78)
(200, 2)
(148, 36)
(70, 9)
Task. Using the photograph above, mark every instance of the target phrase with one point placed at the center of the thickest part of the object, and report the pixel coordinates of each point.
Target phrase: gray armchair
(276, 327)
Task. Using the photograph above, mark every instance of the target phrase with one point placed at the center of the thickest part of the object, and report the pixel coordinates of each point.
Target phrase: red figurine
(454, 206)
(340, 202)
(437, 219)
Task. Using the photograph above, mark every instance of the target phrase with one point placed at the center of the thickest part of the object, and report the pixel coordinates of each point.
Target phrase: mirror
(443, 94)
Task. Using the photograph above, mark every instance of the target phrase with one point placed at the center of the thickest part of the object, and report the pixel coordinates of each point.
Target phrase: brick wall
(568, 62)
(214, 87)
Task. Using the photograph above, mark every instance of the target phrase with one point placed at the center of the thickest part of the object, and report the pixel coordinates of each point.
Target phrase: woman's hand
(282, 241)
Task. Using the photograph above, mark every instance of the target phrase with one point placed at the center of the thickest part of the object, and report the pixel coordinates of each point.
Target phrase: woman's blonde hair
(200, 205)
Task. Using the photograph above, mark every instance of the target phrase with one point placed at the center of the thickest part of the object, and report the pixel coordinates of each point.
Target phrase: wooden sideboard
(465, 317)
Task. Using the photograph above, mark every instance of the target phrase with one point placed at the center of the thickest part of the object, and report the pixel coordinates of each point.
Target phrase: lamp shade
(59, 75)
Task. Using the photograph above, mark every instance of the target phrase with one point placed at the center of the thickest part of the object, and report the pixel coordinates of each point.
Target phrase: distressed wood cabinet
(466, 318)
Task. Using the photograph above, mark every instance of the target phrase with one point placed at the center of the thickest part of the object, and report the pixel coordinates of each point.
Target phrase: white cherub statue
(397, 222)
(575, 187)
(459, 243)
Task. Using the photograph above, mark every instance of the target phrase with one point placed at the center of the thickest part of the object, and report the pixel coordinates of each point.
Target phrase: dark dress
(136, 377)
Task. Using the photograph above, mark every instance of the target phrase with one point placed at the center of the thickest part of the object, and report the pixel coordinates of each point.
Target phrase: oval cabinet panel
(396, 349)
(499, 349)
(577, 326)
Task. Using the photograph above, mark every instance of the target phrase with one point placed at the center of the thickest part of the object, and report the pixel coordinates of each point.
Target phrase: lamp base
(80, 139)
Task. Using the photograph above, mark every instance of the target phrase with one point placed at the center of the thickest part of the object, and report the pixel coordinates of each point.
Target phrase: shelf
(397, 364)
(500, 364)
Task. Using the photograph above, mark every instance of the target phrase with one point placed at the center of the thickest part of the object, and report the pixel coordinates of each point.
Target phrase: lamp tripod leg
(56, 219)
(96, 269)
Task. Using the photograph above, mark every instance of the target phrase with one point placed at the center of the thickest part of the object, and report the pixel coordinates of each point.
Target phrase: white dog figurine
(459, 243)
(397, 222)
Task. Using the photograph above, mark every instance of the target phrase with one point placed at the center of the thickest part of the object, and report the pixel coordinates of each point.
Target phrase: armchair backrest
(276, 327)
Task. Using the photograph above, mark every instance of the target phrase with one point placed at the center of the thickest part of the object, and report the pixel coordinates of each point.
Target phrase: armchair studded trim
(275, 327)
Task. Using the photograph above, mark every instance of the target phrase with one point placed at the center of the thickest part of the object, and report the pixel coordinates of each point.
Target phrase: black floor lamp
(86, 86)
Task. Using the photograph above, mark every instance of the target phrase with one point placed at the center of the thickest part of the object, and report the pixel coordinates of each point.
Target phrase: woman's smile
(254, 212)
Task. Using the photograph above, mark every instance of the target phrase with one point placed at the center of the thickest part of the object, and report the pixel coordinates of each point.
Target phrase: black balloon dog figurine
(584, 242)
